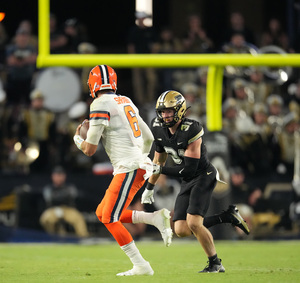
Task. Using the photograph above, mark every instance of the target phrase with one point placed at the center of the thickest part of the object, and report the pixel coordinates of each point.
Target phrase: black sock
(223, 217)
(212, 220)
(214, 259)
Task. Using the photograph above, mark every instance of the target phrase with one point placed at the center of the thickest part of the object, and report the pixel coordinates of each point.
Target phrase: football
(84, 128)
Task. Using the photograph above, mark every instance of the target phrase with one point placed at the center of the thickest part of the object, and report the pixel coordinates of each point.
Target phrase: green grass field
(245, 261)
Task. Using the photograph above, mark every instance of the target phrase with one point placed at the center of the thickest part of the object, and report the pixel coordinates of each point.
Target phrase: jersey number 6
(133, 121)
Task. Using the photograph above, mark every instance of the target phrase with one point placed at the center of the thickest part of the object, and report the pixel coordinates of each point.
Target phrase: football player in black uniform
(181, 138)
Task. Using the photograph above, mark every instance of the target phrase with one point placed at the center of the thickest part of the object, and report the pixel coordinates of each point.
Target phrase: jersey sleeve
(196, 132)
(155, 128)
(99, 114)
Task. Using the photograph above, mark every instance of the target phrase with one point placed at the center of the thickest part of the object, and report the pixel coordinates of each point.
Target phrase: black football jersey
(175, 145)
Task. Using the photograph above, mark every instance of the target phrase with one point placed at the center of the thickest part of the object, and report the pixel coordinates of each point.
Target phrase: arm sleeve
(185, 171)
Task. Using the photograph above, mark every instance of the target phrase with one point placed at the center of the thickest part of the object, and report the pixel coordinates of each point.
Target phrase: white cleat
(144, 269)
(162, 223)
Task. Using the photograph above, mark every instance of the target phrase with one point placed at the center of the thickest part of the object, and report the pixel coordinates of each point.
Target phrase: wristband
(149, 186)
(78, 141)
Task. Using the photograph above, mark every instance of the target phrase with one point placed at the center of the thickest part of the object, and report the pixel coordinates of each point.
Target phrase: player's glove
(156, 169)
(147, 196)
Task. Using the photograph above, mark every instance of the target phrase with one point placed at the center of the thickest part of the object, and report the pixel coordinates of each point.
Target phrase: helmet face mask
(171, 100)
(102, 77)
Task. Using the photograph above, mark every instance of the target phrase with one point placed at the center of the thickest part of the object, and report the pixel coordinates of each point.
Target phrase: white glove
(147, 196)
(156, 169)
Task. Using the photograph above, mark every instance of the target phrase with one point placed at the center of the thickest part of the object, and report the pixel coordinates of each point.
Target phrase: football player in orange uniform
(127, 141)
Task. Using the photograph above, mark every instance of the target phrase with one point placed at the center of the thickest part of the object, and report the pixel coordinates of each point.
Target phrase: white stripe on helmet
(105, 74)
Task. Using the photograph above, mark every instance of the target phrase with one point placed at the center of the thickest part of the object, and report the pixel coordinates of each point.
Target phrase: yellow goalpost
(215, 63)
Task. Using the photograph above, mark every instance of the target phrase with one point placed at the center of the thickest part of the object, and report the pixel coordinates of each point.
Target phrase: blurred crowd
(260, 105)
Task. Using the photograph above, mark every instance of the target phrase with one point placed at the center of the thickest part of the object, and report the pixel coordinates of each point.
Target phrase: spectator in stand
(75, 33)
(167, 44)
(60, 198)
(237, 44)
(275, 105)
(235, 123)
(243, 195)
(230, 116)
(294, 93)
(27, 26)
(286, 140)
(21, 67)
(9, 119)
(260, 88)
(237, 25)
(260, 118)
(195, 40)
(58, 40)
(275, 35)
(294, 107)
(264, 129)
(85, 48)
(142, 40)
(38, 125)
(195, 107)
(201, 81)
(70, 156)
(259, 146)
(243, 95)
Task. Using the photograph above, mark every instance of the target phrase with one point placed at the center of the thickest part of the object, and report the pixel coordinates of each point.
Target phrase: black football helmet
(174, 100)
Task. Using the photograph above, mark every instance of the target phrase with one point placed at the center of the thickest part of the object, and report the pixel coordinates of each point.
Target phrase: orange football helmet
(102, 77)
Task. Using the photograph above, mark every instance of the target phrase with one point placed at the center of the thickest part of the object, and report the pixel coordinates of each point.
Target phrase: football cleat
(213, 268)
(144, 269)
(161, 220)
(236, 219)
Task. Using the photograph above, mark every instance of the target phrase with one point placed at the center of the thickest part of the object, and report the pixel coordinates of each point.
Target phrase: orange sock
(126, 216)
(119, 232)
